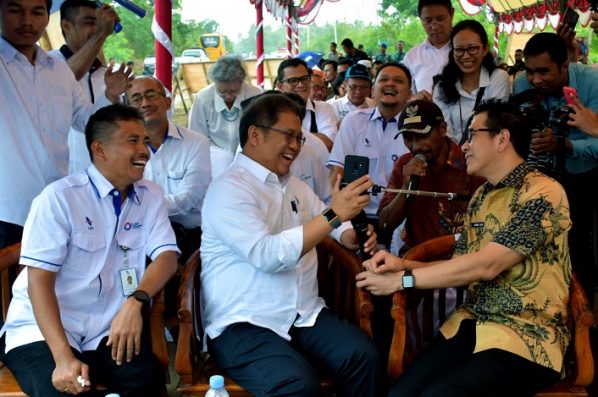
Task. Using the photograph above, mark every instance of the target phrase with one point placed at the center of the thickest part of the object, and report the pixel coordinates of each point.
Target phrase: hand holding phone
(570, 94)
(355, 168)
(570, 18)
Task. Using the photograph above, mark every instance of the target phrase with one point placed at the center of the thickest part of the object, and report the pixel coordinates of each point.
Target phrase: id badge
(128, 280)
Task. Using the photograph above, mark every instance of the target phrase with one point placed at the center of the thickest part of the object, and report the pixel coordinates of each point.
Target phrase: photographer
(547, 72)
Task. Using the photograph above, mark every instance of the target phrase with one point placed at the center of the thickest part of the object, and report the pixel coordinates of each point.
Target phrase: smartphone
(570, 93)
(355, 168)
(570, 18)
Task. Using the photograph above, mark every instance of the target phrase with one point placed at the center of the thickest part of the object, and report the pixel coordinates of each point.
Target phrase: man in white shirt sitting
(75, 316)
(260, 303)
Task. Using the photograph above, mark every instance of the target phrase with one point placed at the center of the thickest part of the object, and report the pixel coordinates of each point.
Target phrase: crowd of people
(107, 195)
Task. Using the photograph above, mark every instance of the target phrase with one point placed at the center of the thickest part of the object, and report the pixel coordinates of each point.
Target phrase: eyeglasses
(317, 87)
(358, 87)
(150, 95)
(473, 132)
(293, 81)
(299, 138)
(471, 50)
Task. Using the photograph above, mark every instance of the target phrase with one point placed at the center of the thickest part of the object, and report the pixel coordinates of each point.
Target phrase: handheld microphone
(414, 182)
(360, 225)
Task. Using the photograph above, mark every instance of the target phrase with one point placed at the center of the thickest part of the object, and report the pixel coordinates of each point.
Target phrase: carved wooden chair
(337, 267)
(579, 365)
(9, 258)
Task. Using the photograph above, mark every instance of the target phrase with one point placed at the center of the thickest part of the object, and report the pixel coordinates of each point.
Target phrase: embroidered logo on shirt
(134, 225)
(89, 223)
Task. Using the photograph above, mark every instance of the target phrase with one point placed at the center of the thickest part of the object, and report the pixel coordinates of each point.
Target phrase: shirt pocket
(367, 151)
(87, 252)
(132, 243)
(173, 180)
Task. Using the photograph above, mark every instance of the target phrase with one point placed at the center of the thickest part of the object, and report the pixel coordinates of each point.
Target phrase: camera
(538, 118)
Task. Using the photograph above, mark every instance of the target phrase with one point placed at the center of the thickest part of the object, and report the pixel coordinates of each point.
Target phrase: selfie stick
(377, 189)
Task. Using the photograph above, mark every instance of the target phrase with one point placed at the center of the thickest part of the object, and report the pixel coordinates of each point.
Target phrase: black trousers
(33, 364)
(268, 365)
(449, 368)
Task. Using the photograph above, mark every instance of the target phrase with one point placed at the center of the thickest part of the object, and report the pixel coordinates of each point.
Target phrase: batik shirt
(524, 309)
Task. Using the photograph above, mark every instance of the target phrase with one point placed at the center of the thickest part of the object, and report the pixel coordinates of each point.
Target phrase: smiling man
(513, 254)
(260, 303)
(44, 100)
(374, 133)
(74, 315)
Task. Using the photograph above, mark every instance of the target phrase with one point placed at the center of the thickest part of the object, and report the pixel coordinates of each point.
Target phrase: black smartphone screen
(570, 18)
(355, 167)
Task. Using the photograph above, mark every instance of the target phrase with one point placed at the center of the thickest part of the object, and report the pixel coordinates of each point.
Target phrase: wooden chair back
(9, 258)
(337, 268)
(579, 364)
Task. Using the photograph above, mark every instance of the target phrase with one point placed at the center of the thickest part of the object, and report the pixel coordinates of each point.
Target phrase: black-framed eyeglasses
(471, 50)
(472, 132)
(293, 81)
(151, 95)
(299, 138)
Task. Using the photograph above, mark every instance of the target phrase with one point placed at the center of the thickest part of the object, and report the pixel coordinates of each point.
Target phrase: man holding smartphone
(547, 72)
(260, 303)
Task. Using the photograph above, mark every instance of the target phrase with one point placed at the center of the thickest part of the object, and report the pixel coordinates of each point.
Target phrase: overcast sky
(236, 16)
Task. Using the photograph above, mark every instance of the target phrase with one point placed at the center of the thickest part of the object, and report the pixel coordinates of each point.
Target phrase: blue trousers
(451, 369)
(268, 365)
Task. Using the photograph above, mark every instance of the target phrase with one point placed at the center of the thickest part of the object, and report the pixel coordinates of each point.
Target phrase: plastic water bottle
(113, 395)
(217, 387)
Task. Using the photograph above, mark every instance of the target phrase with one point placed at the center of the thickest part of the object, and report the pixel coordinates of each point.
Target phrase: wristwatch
(140, 295)
(408, 279)
(331, 217)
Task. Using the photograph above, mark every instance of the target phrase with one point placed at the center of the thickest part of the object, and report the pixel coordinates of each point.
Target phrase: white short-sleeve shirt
(362, 133)
(73, 229)
(424, 62)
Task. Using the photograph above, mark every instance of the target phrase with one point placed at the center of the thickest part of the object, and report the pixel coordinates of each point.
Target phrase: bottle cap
(216, 381)
(112, 395)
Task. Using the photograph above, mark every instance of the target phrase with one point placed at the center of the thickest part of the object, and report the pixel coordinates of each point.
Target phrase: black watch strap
(140, 295)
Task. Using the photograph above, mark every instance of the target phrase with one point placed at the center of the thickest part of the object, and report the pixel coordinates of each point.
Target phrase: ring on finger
(66, 389)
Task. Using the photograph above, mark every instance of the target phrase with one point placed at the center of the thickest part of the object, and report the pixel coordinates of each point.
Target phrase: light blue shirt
(181, 166)
(40, 104)
(585, 148)
(74, 230)
(362, 133)
(252, 268)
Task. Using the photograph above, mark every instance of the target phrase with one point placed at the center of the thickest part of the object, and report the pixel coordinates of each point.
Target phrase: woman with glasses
(216, 110)
(469, 77)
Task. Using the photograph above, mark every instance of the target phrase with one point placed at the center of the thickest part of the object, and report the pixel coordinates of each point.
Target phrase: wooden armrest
(9, 256)
(159, 345)
(351, 262)
(583, 319)
(184, 359)
(434, 249)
